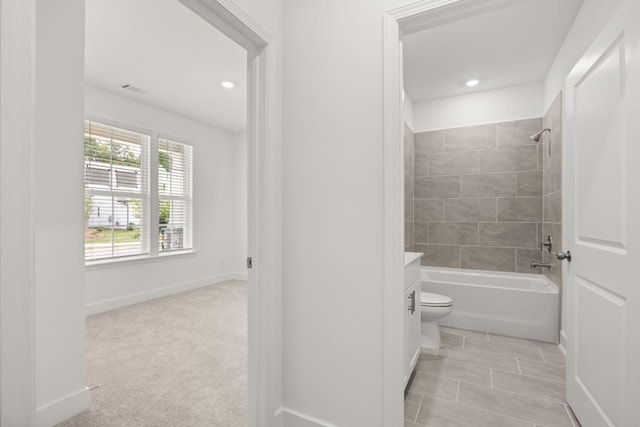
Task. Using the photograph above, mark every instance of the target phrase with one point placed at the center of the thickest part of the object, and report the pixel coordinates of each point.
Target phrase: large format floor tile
(477, 379)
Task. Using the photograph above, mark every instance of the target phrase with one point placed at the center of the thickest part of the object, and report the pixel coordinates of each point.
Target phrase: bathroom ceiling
(510, 46)
(175, 58)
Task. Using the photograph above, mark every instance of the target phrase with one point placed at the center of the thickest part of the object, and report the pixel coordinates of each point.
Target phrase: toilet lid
(434, 300)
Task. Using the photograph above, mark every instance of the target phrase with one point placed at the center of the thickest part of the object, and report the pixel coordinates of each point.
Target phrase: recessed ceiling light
(473, 82)
(227, 85)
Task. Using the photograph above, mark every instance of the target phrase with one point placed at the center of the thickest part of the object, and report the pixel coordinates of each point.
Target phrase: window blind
(175, 195)
(117, 192)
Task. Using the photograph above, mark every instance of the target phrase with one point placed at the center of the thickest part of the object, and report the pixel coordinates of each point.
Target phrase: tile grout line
(415, 419)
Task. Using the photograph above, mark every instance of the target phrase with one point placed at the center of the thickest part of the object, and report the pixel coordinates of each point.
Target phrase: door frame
(17, 254)
(399, 21)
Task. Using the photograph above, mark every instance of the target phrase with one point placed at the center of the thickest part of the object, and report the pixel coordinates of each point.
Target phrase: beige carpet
(174, 361)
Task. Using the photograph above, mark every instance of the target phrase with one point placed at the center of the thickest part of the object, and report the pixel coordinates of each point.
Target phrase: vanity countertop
(409, 257)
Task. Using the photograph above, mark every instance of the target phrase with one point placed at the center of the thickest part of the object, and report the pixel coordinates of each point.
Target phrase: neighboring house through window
(123, 193)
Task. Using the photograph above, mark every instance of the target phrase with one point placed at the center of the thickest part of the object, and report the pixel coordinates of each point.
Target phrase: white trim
(264, 204)
(17, 254)
(406, 19)
(57, 411)
(138, 297)
(294, 418)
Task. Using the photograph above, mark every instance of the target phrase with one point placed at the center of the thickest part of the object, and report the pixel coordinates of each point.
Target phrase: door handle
(564, 256)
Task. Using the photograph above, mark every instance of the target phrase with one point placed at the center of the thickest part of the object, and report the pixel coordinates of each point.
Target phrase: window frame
(150, 239)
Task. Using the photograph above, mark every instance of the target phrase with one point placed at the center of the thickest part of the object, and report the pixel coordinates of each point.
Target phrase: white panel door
(602, 218)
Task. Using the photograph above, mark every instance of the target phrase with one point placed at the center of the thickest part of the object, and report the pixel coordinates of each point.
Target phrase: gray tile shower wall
(552, 187)
(478, 196)
(408, 189)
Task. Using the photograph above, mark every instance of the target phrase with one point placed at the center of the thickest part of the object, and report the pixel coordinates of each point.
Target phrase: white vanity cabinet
(411, 313)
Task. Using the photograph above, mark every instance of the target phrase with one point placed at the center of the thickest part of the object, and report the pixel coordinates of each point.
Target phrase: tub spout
(539, 264)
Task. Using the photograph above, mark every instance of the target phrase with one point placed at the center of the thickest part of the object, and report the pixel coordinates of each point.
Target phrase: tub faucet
(539, 264)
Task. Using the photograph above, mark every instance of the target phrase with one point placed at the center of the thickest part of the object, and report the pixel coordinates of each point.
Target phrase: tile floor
(478, 379)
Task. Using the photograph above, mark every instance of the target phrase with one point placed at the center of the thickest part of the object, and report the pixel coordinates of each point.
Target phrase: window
(174, 195)
(123, 194)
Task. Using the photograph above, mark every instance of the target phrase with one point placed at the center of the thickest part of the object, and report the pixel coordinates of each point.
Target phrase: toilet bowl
(433, 307)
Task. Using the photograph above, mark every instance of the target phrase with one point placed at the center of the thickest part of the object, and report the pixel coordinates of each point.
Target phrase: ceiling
(509, 46)
(176, 58)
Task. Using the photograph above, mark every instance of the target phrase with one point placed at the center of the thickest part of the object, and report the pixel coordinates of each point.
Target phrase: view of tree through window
(119, 201)
(116, 189)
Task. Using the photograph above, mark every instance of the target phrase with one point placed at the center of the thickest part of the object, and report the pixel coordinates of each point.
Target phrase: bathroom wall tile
(438, 187)
(439, 255)
(488, 185)
(456, 163)
(555, 231)
(553, 177)
(408, 208)
(435, 386)
(470, 138)
(409, 188)
(428, 210)
(520, 209)
(524, 158)
(540, 157)
(555, 272)
(542, 370)
(552, 205)
(553, 117)
(429, 142)
(529, 184)
(408, 233)
(526, 407)
(436, 412)
(453, 233)
(555, 139)
(518, 132)
(470, 210)
(421, 165)
(510, 235)
(483, 258)
(524, 258)
(421, 232)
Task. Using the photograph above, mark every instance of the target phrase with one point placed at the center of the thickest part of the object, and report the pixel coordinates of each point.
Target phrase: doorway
(37, 393)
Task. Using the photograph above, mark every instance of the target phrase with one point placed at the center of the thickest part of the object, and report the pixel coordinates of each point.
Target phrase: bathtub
(514, 304)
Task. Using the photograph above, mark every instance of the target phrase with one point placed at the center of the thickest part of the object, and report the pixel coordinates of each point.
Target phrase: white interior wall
(58, 173)
(332, 211)
(240, 201)
(593, 15)
(214, 258)
(491, 106)
(407, 109)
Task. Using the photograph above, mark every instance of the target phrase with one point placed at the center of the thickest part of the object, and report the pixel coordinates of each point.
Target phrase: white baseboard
(64, 408)
(123, 301)
(291, 418)
(240, 276)
(563, 342)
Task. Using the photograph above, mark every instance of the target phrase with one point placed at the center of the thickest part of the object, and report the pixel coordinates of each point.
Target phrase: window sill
(141, 259)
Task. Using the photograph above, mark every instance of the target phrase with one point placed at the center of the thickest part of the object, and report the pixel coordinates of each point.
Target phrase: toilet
(433, 307)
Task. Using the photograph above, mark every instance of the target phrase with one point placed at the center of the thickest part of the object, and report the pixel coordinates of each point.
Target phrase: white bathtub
(514, 304)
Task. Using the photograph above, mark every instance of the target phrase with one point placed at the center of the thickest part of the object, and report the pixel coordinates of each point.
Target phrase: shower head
(536, 136)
